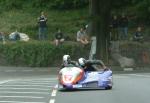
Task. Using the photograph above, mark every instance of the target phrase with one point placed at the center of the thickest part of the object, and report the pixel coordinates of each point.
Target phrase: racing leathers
(90, 65)
(73, 63)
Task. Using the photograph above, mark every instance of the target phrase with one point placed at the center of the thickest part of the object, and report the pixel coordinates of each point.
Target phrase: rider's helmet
(81, 62)
(66, 59)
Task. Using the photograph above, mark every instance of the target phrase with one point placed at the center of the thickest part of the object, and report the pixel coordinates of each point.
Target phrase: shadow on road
(82, 89)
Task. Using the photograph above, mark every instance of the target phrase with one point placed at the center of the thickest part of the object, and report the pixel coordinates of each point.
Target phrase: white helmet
(66, 59)
(81, 61)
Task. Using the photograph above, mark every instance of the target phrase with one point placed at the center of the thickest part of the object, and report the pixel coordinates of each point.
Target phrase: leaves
(38, 53)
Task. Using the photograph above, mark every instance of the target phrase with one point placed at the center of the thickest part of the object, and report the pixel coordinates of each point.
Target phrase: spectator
(87, 29)
(59, 37)
(138, 36)
(42, 21)
(82, 36)
(2, 37)
(123, 27)
(114, 28)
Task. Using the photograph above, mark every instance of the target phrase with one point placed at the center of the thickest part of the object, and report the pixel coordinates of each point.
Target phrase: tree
(100, 14)
(100, 11)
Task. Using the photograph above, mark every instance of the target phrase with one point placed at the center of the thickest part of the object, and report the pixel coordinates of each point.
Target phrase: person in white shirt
(82, 37)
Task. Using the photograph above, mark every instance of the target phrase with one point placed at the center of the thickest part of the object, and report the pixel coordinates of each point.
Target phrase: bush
(38, 53)
(142, 10)
(11, 4)
(68, 4)
(56, 4)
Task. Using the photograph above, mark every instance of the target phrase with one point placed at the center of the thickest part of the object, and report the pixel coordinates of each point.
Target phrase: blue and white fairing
(101, 80)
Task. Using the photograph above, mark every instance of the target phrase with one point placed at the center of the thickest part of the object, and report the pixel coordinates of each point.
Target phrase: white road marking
(48, 79)
(43, 70)
(23, 89)
(19, 102)
(5, 81)
(10, 70)
(128, 69)
(24, 86)
(21, 97)
(36, 82)
(13, 92)
(140, 75)
(120, 76)
(52, 101)
(30, 70)
(22, 83)
(54, 93)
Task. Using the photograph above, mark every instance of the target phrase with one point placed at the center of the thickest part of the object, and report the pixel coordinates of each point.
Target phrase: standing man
(114, 28)
(124, 27)
(42, 21)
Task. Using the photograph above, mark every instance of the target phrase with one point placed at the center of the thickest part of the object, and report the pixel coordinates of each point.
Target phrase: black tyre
(108, 88)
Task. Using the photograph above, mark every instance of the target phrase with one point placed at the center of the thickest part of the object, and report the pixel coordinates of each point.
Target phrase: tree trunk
(100, 14)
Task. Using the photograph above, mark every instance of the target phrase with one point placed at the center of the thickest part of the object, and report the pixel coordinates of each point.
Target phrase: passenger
(88, 65)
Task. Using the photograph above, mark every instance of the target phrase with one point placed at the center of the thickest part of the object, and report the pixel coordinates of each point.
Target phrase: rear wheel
(108, 87)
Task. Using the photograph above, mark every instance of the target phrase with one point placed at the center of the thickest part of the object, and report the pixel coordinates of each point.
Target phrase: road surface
(41, 87)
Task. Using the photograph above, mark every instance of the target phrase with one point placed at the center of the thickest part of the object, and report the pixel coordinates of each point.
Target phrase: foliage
(137, 9)
(26, 21)
(22, 14)
(56, 4)
(11, 4)
(68, 4)
(142, 11)
(38, 53)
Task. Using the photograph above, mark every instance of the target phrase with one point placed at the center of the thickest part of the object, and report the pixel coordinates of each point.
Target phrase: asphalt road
(26, 85)
(128, 88)
(41, 87)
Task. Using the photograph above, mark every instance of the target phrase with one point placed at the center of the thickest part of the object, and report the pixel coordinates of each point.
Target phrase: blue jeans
(124, 33)
(42, 33)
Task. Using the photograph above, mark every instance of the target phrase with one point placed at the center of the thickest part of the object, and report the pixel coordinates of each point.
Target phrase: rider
(67, 61)
(88, 65)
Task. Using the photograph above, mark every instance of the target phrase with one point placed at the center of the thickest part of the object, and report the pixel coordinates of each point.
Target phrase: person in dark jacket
(123, 23)
(114, 28)
(138, 36)
(42, 21)
(88, 65)
(59, 37)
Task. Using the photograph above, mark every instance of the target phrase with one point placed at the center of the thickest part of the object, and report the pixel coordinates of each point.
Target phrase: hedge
(38, 53)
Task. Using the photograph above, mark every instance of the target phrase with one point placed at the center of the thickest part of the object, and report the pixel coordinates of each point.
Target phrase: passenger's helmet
(66, 59)
(81, 62)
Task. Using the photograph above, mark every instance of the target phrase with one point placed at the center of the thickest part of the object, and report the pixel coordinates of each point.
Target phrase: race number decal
(68, 78)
